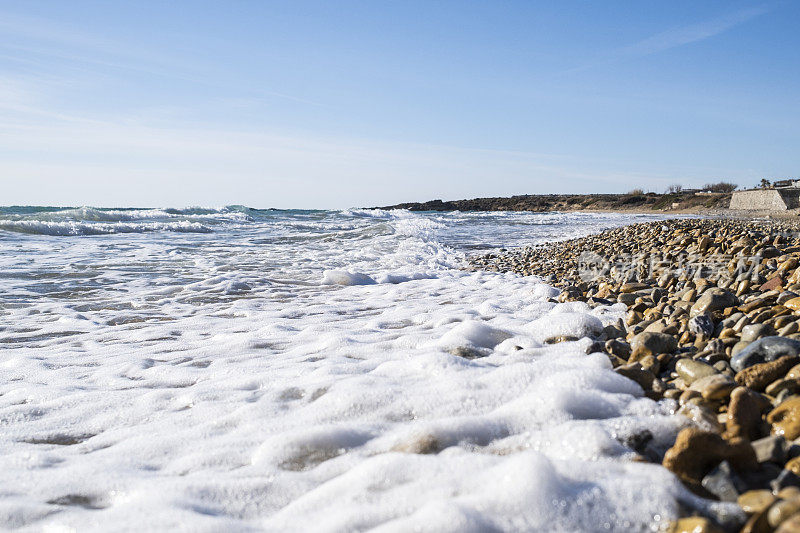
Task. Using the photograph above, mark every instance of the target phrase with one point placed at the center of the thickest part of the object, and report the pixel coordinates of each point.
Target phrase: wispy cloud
(676, 37)
(36, 44)
(693, 33)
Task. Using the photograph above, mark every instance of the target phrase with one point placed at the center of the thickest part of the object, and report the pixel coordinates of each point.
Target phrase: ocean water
(237, 369)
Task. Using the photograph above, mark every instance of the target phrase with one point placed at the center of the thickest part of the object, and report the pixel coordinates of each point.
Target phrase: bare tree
(674, 188)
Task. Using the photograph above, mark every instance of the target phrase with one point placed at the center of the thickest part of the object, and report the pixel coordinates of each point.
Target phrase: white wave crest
(70, 228)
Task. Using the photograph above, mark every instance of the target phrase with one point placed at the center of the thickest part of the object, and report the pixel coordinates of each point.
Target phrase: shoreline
(717, 213)
(714, 213)
(713, 326)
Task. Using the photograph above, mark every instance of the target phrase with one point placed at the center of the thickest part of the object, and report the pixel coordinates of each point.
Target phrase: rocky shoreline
(713, 325)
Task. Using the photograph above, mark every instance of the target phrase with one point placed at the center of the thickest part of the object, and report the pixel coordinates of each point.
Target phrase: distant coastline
(630, 202)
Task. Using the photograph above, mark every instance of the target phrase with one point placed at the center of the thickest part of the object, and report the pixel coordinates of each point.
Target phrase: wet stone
(690, 370)
(619, 348)
(696, 452)
(789, 493)
(782, 397)
(794, 372)
(714, 387)
(723, 483)
(701, 325)
(781, 511)
(793, 465)
(613, 332)
(780, 386)
(774, 283)
(744, 414)
(785, 418)
(595, 347)
(752, 305)
(633, 287)
(635, 372)
(758, 376)
(650, 364)
(755, 501)
(770, 449)
(789, 329)
(754, 332)
(738, 347)
(764, 350)
(652, 343)
(694, 524)
(713, 299)
(785, 297)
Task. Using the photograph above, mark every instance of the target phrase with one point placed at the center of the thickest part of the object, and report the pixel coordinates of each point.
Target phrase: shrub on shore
(722, 186)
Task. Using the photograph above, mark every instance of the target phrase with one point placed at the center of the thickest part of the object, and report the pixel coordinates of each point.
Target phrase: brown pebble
(752, 305)
(758, 376)
(755, 501)
(633, 317)
(774, 283)
(696, 452)
(694, 524)
(791, 525)
(714, 387)
(651, 343)
(789, 493)
(700, 413)
(633, 287)
(794, 372)
(792, 386)
(687, 395)
(757, 523)
(635, 372)
(781, 511)
(672, 394)
(691, 370)
(785, 418)
(793, 465)
(744, 414)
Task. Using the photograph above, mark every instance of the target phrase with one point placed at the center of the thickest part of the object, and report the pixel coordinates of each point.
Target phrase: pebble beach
(712, 330)
(407, 267)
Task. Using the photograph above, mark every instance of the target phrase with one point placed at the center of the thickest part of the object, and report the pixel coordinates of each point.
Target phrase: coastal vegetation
(634, 200)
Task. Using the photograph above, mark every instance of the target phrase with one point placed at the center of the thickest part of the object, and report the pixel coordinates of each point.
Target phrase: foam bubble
(560, 323)
(342, 277)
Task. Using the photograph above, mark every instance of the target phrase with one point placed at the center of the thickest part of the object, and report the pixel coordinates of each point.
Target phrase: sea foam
(313, 371)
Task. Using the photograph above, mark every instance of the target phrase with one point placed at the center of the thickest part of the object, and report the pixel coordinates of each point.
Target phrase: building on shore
(786, 183)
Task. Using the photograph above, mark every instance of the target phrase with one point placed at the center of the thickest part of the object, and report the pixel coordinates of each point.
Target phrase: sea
(238, 369)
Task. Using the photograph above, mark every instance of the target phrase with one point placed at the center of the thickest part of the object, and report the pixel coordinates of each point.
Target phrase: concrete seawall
(766, 199)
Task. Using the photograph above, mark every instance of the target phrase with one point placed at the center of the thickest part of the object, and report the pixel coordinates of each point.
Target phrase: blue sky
(338, 104)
